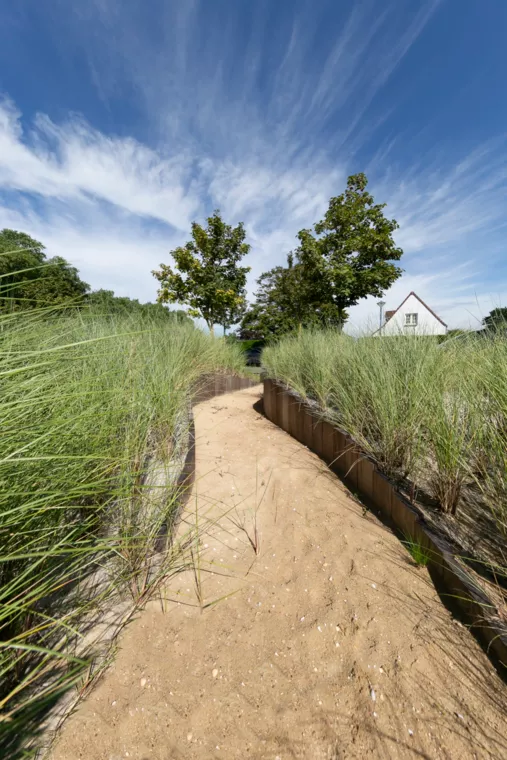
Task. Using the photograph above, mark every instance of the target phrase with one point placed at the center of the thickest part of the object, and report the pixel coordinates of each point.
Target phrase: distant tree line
(29, 279)
(494, 324)
(106, 302)
(496, 321)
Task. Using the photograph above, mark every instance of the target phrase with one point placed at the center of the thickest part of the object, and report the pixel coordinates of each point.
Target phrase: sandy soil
(330, 645)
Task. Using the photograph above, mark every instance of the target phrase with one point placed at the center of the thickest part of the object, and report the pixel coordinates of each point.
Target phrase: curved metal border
(343, 455)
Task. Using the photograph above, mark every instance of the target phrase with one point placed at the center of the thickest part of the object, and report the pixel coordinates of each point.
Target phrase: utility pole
(381, 305)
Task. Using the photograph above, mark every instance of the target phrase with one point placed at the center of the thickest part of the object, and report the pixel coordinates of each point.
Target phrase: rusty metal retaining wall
(284, 408)
(216, 385)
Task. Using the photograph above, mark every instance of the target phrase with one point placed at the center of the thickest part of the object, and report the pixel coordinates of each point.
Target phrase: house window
(411, 320)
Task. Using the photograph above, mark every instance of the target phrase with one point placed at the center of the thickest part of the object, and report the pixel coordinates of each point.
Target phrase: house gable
(413, 316)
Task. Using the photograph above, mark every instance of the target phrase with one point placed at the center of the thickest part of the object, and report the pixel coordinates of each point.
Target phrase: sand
(327, 643)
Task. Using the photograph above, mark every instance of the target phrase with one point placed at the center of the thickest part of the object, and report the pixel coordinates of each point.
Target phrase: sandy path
(332, 646)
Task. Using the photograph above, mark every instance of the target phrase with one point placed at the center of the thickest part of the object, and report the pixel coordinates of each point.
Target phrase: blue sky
(121, 121)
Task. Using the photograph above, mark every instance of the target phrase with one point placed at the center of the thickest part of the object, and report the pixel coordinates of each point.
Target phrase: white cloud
(74, 162)
(439, 204)
(115, 207)
(269, 155)
(240, 83)
(112, 251)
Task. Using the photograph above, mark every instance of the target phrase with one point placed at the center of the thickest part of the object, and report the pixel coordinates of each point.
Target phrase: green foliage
(417, 551)
(456, 334)
(86, 403)
(408, 401)
(373, 388)
(21, 247)
(432, 415)
(28, 279)
(106, 303)
(496, 319)
(247, 345)
(490, 454)
(351, 254)
(233, 314)
(348, 256)
(283, 303)
(207, 276)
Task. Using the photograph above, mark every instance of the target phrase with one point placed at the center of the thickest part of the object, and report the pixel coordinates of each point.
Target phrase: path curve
(327, 644)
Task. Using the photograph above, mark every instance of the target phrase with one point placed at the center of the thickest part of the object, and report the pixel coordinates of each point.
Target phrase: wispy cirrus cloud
(115, 207)
(437, 204)
(72, 161)
(261, 80)
(262, 112)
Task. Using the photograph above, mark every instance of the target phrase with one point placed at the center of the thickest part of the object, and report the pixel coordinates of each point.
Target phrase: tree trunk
(211, 328)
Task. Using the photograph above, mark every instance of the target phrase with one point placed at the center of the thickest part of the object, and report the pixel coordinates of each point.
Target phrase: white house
(412, 317)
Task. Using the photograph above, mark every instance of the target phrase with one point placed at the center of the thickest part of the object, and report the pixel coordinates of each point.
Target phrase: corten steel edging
(210, 386)
(296, 420)
(269, 399)
(345, 457)
(283, 403)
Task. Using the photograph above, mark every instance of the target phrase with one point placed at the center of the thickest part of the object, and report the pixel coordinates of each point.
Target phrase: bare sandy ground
(330, 643)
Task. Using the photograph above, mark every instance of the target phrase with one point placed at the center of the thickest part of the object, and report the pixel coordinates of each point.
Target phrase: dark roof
(392, 313)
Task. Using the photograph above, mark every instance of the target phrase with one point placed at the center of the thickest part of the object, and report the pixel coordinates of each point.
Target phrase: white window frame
(411, 320)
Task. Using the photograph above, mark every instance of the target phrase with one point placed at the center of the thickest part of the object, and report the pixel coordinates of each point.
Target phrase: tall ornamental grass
(89, 405)
(432, 412)
(491, 451)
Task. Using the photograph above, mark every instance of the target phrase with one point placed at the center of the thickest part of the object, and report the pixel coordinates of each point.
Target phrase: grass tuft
(417, 551)
(94, 413)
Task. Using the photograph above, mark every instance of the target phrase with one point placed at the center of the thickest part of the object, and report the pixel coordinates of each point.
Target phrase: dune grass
(433, 413)
(90, 405)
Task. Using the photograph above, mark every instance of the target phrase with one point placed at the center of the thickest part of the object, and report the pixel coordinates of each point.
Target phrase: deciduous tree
(29, 279)
(207, 276)
(349, 255)
(282, 303)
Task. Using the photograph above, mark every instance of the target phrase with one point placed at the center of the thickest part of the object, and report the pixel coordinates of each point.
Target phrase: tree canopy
(207, 276)
(349, 255)
(29, 279)
(496, 319)
(282, 303)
